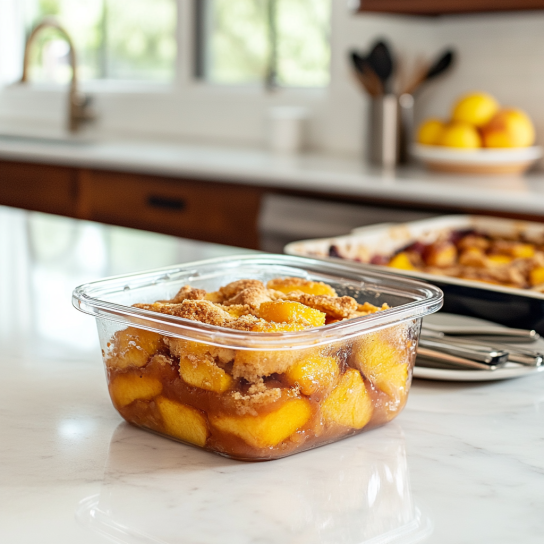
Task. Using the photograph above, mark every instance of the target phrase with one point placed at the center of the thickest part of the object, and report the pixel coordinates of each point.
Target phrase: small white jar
(286, 127)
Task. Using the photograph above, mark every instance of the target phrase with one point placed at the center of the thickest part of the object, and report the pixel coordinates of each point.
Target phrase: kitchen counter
(462, 463)
(310, 173)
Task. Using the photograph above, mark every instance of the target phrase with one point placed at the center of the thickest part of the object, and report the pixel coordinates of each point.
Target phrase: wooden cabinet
(42, 188)
(213, 212)
(207, 211)
(438, 7)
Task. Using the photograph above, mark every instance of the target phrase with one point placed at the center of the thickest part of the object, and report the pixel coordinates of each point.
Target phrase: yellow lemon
(509, 128)
(461, 135)
(430, 131)
(476, 109)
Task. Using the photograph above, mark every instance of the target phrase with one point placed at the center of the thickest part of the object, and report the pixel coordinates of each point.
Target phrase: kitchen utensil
(506, 334)
(381, 60)
(475, 352)
(441, 65)
(432, 71)
(433, 358)
(522, 356)
(366, 74)
(436, 371)
(507, 372)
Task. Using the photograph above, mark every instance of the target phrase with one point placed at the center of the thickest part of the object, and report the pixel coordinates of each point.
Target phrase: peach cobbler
(251, 404)
(468, 254)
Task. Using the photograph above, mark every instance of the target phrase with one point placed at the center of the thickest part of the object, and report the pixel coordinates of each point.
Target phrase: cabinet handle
(166, 203)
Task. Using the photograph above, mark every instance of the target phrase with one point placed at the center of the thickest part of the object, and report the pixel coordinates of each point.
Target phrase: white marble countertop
(464, 463)
(307, 172)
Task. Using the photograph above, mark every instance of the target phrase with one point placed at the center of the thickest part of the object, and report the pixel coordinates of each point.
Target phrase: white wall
(502, 53)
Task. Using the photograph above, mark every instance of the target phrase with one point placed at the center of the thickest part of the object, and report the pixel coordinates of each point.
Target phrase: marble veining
(464, 463)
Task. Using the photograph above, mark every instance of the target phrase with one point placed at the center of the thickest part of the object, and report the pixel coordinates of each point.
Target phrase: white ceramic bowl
(477, 161)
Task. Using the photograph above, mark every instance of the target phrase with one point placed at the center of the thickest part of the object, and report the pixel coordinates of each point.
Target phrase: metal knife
(520, 355)
(475, 352)
(437, 359)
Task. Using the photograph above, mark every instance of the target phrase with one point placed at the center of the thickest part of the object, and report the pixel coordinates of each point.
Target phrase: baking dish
(361, 381)
(512, 307)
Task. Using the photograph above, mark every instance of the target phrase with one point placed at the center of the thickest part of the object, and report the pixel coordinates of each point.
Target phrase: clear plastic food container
(257, 395)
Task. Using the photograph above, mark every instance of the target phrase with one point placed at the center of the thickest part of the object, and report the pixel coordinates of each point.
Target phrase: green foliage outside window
(115, 39)
(281, 42)
(253, 40)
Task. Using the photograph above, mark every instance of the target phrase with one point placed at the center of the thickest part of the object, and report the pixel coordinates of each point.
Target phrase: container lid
(112, 299)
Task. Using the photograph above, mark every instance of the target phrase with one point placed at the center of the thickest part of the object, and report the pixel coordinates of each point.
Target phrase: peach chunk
(126, 388)
(267, 430)
(536, 275)
(523, 251)
(215, 297)
(205, 374)
(282, 311)
(402, 262)
(133, 347)
(441, 254)
(313, 374)
(383, 359)
(183, 422)
(499, 260)
(288, 285)
(473, 256)
(349, 404)
(179, 347)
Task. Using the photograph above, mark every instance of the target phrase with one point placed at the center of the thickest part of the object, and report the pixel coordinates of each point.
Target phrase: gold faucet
(79, 111)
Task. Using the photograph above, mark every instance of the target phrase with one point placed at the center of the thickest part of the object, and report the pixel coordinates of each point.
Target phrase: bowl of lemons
(481, 137)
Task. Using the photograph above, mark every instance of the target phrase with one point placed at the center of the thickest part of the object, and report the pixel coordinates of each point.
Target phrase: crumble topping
(257, 394)
(232, 289)
(189, 293)
(251, 296)
(196, 310)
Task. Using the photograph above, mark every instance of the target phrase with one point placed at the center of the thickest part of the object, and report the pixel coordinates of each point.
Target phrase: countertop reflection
(353, 492)
(462, 463)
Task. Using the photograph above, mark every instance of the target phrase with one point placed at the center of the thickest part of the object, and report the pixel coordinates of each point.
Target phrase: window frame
(131, 109)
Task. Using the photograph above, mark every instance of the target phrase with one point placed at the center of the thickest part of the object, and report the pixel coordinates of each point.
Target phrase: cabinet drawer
(50, 189)
(206, 211)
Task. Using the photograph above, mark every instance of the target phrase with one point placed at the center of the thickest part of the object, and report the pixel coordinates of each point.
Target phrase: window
(279, 42)
(114, 39)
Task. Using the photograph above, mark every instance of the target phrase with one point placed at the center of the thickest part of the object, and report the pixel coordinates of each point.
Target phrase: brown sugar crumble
(237, 305)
